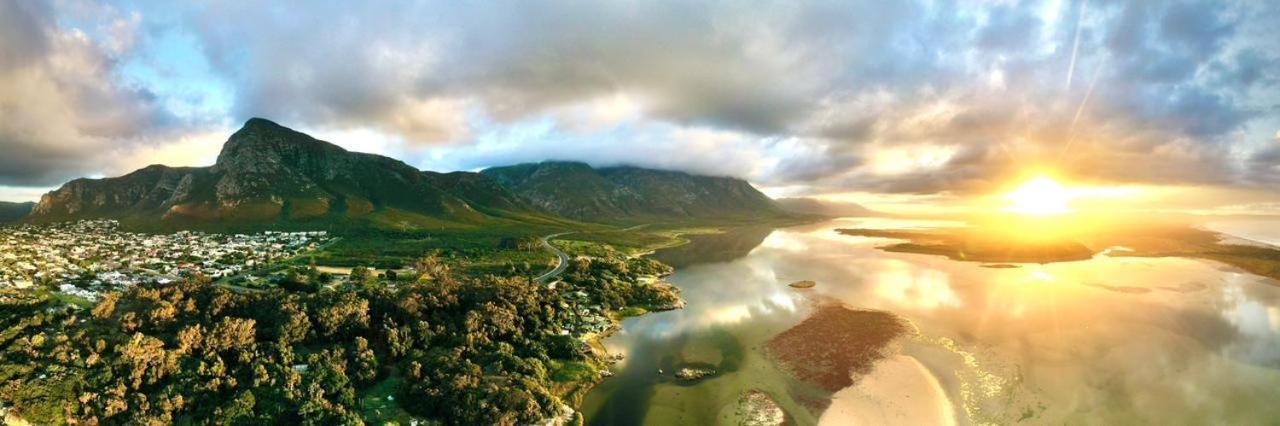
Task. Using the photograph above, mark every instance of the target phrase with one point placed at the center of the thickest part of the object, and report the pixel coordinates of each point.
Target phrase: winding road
(560, 256)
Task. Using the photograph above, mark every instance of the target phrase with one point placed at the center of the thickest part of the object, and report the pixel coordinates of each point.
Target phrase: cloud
(917, 96)
(60, 113)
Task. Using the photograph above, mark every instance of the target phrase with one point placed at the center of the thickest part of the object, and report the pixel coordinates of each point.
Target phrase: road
(560, 256)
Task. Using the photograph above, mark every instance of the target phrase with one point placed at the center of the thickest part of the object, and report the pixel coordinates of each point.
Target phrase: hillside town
(86, 258)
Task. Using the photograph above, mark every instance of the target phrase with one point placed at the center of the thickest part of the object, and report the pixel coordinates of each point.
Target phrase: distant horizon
(619, 212)
(916, 103)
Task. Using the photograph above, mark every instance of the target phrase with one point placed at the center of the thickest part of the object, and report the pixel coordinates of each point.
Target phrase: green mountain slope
(13, 212)
(270, 176)
(632, 194)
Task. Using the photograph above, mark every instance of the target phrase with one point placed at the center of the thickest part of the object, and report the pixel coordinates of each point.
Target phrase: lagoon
(1105, 340)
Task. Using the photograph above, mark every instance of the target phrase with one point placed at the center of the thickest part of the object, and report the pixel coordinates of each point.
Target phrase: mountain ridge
(630, 194)
(805, 205)
(267, 174)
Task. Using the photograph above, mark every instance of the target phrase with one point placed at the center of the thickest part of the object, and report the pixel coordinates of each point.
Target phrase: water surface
(1107, 340)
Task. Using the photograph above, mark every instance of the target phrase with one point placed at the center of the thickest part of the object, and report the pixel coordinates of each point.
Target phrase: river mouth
(1111, 340)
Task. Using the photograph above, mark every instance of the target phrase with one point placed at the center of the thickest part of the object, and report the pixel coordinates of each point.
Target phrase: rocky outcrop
(267, 173)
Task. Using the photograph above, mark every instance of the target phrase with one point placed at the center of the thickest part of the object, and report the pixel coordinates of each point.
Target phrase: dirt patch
(836, 344)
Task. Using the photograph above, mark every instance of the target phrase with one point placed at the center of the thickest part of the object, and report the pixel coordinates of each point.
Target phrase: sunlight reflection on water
(1111, 339)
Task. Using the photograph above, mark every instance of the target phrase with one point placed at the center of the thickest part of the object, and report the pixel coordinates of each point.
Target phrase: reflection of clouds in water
(785, 241)
(1249, 315)
(721, 294)
(1258, 322)
(728, 315)
(1163, 335)
(911, 286)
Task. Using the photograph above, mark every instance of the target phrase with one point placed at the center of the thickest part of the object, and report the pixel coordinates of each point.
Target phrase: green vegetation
(442, 339)
(472, 253)
(632, 311)
(632, 195)
(572, 371)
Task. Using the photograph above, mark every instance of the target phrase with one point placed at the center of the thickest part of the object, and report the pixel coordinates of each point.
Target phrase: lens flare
(1040, 196)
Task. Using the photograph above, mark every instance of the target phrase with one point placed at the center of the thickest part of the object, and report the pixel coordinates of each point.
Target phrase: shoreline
(596, 342)
(898, 390)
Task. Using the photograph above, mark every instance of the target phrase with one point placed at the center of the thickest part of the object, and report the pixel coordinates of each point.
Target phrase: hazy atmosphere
(640, 213)
(929, 97)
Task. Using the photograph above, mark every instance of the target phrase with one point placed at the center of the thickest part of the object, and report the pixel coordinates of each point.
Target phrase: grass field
(378, 406)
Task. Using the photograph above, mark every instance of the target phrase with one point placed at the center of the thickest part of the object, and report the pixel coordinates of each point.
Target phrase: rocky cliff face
(633, 194)
(268, 173)
(147, 188)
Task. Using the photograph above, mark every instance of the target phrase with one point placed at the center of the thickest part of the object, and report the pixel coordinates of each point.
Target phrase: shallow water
(1107, 340)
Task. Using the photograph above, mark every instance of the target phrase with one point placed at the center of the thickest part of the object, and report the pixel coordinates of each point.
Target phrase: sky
(869, 101)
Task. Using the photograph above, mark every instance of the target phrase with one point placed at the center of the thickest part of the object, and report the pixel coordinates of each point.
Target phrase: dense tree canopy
(460, 351)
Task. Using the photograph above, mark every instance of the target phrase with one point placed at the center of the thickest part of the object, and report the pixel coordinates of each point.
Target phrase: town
(86, 258)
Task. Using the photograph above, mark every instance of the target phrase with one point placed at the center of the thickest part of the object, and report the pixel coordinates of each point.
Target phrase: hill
(824, 208)
(270, 176)
(13, 212)
(633, 195)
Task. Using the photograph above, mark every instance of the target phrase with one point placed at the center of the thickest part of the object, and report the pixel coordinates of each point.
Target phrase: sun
(1040, 196)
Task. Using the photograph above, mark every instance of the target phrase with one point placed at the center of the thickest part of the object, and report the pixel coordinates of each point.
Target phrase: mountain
(267, 174)
(13, 212)
(824, 208)
(633, 195)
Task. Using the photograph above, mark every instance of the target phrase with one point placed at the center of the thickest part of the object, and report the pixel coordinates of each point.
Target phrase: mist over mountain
(824, 208)
(627, 194)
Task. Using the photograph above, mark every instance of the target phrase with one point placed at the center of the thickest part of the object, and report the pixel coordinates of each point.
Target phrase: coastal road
(560, 256)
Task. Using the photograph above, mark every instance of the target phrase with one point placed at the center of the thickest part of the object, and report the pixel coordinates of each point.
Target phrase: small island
(690, 374)
(1000, 246)
(803, 284)
(974, 245)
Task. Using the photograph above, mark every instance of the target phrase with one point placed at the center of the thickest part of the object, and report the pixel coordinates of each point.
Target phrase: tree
(190, 339)
(106, 307)
(231, 333)
(364, 361)
(239, 410)
(295, 325)
(313, 272)
(430, 267)
(146, 360)
(360, 276)
(343, 315)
